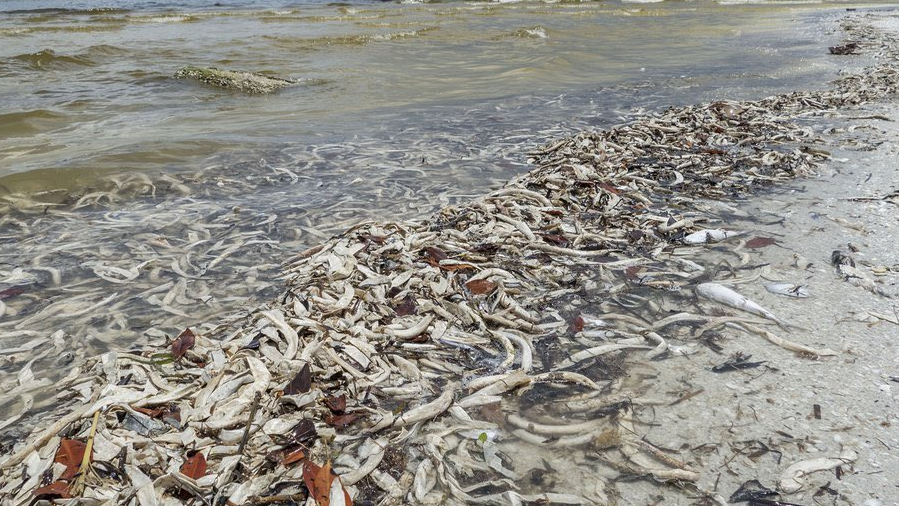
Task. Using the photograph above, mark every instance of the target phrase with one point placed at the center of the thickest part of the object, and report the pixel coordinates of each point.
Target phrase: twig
(246, 431)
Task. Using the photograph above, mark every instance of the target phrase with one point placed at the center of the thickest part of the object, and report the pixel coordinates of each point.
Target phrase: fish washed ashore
(446, 361)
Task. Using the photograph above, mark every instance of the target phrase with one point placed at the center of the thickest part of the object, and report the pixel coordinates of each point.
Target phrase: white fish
(791, 480)
(728, 297)
(710, 235)
(788, 289)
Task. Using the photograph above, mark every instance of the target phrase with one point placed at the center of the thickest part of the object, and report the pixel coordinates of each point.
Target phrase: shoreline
(479, 278)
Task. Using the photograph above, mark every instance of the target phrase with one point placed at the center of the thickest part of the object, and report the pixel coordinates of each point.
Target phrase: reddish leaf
(341, 420)
(301, 383)
(318, 481)
(557, 239)
(70, 454)
(492, 413)
(553, 212)
(435, 254)
(304, 431)
(171, 412)
(480, 286)
(455, 267)
(577, 324)
(182, 343)
(337, 489)
(760, 242)
(56, 489)
(195, 466)
(293, 457)
(152, 413)
(407, 307)
(632, 272)
(377, 239)
(609, 188)
(336, 404)
(11, 292)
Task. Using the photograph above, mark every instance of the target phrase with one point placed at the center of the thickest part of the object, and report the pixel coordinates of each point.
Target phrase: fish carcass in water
(710, 236)
(728, 297)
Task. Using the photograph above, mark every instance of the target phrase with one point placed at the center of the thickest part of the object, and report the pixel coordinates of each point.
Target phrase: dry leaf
(407, 307)
(338, 495)
(557, 239)
(301, 383)
(456, 267)
(336, 404)
(577, 324)
(70, 454)
(182, 343)
(11, 292)
(195, 466)
(56, 489)
(435, 255)
(632, 272)
(341, 420)
(164, 413)
(480, 286)
(609, 188)
(304, 431)
(760, 242)
(318, 481)
(293, 457)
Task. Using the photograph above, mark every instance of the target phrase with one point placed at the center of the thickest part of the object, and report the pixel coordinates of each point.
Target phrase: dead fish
(710, 236)
(788, 289)
(728, 297)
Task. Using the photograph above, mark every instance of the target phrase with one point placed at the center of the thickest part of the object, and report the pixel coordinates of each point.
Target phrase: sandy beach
(658, 313)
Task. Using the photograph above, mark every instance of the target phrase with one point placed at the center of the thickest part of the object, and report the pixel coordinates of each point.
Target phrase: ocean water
(134, 204)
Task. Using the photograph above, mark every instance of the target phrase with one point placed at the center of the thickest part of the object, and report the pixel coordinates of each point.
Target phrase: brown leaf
(341, 420)
(318, 481)
(553, 212)
(336, 404)
(195, 466)
(760, 242)
(338, 488)
(609, 188)
(164, 413)
(293, 457)
(632, 272)
(304, 431)
(407, 307)
(480, 286)
(182, 343)
(577, 324)
(11, 292)
(301, 383)
(492, 412)
(557, 239)
(435, 255)
(456, 267)
(70, 454)
(56, 489)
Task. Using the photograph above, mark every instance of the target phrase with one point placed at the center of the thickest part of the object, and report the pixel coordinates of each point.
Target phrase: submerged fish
(728, 297)
(710, 236)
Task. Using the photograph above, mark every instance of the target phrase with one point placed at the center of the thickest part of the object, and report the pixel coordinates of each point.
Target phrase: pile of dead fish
(447, 361)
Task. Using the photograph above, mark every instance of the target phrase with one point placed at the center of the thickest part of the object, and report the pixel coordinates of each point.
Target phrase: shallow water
(134, 205)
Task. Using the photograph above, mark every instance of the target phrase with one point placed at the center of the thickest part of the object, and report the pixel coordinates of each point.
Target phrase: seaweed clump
(247, 82)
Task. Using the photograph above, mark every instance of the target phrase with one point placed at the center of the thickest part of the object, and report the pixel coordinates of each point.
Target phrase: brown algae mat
(449, 360)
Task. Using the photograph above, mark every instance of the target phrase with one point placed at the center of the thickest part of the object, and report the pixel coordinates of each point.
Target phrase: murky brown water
(133, 205)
